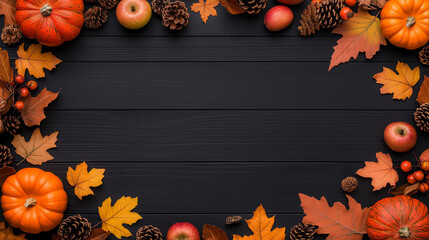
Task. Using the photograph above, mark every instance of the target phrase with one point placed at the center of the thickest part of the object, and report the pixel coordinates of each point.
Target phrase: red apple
(290, 2)
(133, 14)
(400, 136)
(278, 18)
(183, 231)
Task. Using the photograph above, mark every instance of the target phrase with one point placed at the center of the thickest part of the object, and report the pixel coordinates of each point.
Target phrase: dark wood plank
(218, 85)
(222, 136)
(214, 49)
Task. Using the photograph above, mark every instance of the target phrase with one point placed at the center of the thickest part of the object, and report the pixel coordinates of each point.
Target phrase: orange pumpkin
(51, 22)
(405, 23)
(33, 200)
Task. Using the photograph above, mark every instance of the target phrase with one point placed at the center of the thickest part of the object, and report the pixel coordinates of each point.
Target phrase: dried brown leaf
(423, 96)
(32, 113)
(211, 232)
(232, 7)
(98, 234)
(5, 172)
(8, 9)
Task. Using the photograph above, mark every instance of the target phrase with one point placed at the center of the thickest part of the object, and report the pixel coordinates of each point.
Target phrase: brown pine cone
(95, 17)
(349, 184)
(303, 231)
(12, 124)
(424, 55)
(74, 228)
(328, 13)
(252, 6)
(108, 4)
(421, 117)
(175, 15)
(11, 34)
(149, 233)
(158, 5)
(5, 156)
(309, 21)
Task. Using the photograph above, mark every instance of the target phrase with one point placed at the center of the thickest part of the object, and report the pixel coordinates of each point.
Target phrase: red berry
(24, 92)
(351, 3)
(423, 187)
(419, 175)
(32, 85)
(19, 105)
(406, 166)
(19, 79)
(346, 13)
(411, 179)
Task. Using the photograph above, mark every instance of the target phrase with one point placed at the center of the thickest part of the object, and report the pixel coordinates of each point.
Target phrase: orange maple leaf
(381, 172)
(337, 221)
(362, 33)
(35, 61)
(401, 84)
(206, 8)
(32, 113)
(423, 96)
(261, 226)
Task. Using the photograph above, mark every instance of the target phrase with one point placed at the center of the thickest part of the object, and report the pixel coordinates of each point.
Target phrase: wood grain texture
(221, 136)
(234, 85)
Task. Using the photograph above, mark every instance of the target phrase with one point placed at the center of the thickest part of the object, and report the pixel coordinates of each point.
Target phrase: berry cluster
(23, 89)
(420, 175)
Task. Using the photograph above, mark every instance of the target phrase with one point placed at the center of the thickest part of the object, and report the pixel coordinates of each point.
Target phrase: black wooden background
(217, 119)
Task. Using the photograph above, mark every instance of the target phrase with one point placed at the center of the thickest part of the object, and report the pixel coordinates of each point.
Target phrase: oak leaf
(98, 234)
(232, 6)
(401, 84)
(206, 8)
(113, 217)
(423, 96)
(35, 150)
(32, 113)
(381, 172)
(6, 72)
(8, 9)
(211, 232)
(6, 233)
(336, 221)
(35, 61)
(362, 33)
(261, 227)
(5, 172)
(82, 180)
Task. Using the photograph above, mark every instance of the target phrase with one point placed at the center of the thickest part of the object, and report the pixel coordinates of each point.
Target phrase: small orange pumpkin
(33, 200)
(406, 23)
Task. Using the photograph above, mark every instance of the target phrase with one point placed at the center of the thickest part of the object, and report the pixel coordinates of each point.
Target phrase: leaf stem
(21, 161)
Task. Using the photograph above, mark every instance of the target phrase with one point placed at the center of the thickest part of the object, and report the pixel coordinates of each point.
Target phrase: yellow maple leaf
(206, 8)
(35, 150)
(7, 233)
(261, 227)
(82, 180)
(35, 61)
(362, 33)
(113, 217)
(401, 84)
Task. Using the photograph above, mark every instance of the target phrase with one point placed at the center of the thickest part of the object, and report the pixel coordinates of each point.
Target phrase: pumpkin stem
(30, 202)
(410, 21)
(404, 232)
(46, 10)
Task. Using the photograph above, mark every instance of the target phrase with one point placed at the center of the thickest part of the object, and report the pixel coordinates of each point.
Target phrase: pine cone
(309, 21)
(5, 156)
(302, 231)
(328, 13)
(158, 5)
(424, 55)
(252, 6)
(349, 184)
(95, 17)
(74, 228)
(233, 220)
(11, 34)
(175, 15)
(108, 4)
(3, 103)
(149, 233)
(421, 117)
(12, 124)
